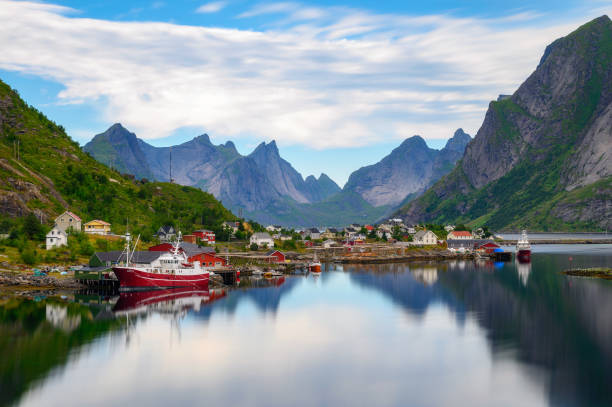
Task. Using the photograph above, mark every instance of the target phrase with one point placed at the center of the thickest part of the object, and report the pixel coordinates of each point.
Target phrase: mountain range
(265, 187)
(543, 156)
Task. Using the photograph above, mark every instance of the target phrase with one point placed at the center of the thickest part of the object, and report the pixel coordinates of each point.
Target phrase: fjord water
(459, 333)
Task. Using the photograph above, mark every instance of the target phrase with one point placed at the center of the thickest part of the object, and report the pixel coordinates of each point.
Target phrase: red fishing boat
(315, 265)
(169, 270)
(523, 248)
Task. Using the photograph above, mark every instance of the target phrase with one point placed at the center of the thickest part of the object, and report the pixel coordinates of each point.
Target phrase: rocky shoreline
(29, 280)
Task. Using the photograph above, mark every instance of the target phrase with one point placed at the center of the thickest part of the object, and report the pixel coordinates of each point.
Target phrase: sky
(338, 85)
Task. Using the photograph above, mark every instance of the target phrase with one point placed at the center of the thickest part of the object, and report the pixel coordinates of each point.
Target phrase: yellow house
(97, 227)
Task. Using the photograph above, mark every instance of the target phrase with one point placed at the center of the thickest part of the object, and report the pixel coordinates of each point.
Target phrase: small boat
(169, 270)
(315, 265)
(523, 248)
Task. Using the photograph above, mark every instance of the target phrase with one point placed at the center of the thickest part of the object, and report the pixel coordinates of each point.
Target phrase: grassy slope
(56, 165)
(526, 195)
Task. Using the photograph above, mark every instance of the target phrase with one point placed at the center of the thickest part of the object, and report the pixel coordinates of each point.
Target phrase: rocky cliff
(407, 170)
(542, 156)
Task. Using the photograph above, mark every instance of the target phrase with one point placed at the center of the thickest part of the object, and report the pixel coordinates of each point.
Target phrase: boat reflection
(523, 268)
(170, 301)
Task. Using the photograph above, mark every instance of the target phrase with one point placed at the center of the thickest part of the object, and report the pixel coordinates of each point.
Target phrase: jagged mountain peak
(459, 141)
(203, 138)
(266, 149)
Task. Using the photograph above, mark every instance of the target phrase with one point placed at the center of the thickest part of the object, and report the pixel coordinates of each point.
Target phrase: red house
(205, 235)
(488, 247)
(208, 259)
(369, 228)
(276, 256)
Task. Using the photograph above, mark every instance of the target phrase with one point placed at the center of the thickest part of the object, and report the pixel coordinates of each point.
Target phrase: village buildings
(424, 238)
(56, 238)
(459, 235)
(166, 233)
(97, 227)
(68, 220)
(262, 239)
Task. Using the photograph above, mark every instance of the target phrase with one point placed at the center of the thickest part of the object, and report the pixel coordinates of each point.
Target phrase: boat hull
(315, 268)
(523, 254)
(134, 279)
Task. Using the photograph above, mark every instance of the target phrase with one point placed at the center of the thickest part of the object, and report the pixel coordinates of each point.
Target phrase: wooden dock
(97, 278)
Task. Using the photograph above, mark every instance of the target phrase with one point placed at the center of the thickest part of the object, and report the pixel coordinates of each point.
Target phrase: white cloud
(336, 79)
(212, 7)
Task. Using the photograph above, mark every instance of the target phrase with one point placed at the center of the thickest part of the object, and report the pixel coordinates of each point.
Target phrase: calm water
(557, 236)
(428, 334)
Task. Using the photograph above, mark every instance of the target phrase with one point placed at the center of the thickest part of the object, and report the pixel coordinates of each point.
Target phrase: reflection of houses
(58, 316)
(56, 238)
(426, 275)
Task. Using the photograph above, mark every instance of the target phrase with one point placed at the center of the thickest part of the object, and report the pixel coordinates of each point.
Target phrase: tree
(254, 247)
(32, 227)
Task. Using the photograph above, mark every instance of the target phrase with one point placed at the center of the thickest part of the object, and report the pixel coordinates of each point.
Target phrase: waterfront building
(276, 256)
(460, 235)
(425, 237)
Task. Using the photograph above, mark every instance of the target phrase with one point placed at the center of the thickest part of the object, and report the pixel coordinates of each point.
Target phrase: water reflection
(427, 333)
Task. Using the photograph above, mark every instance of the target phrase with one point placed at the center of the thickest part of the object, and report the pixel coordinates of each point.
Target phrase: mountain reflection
(554, 322)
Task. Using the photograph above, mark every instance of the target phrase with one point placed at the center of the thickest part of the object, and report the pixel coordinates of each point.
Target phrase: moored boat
(315, 265)
(169, 270)
(523, 247)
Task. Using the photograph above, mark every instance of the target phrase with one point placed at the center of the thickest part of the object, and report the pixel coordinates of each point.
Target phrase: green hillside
(51, 173)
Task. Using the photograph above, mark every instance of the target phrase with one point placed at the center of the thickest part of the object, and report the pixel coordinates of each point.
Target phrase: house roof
(421, 233)
(98, 221)
(271, 252)
(314, 230)
(118, 256)
(332, 230)
(261, 235)
(460, 233)
(166, 229)
(369, 227)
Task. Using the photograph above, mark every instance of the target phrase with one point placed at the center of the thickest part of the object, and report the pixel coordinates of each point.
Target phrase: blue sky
(338, 85)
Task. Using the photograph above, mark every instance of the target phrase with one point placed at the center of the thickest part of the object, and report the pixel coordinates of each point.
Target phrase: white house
(380, 233)
(411, 230)
(56, 238)
(274, 228)
(314, 233)
(262, 239)
(449, 228)
(459, 235)
(425, 237)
